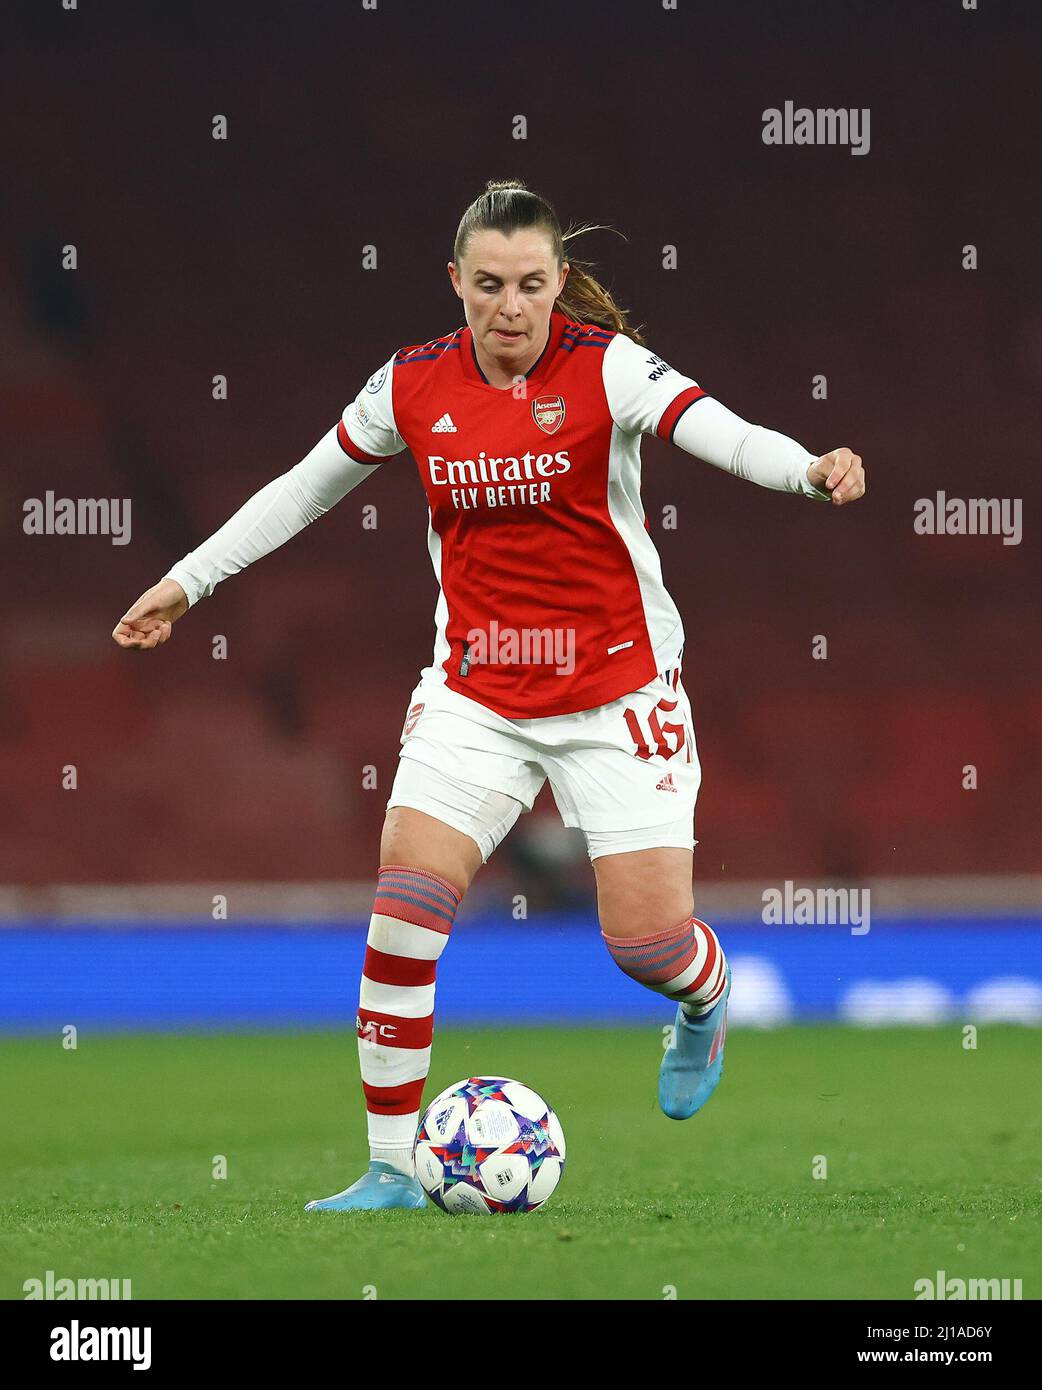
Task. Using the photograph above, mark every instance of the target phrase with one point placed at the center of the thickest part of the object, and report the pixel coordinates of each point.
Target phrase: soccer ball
(489, 1144)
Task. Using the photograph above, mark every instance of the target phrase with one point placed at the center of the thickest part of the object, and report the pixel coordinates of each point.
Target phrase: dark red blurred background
(244, 257)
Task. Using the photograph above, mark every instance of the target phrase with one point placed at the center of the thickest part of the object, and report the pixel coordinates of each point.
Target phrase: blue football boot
(381, 1188)
(694, 1062)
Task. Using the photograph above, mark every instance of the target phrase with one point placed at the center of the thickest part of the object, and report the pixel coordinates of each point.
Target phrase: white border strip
(290, 904)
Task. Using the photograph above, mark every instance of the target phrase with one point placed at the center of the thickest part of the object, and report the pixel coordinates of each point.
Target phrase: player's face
(508, 285)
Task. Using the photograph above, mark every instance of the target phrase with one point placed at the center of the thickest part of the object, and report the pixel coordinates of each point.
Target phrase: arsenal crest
(548, 413)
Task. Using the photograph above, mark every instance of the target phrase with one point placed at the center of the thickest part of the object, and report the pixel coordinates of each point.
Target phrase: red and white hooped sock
(412, 917)
(685, 963)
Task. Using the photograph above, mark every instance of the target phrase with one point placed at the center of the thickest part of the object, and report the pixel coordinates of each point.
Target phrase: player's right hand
(150, 621)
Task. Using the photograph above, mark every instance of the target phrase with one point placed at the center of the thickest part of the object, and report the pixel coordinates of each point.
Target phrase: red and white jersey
(552, 598)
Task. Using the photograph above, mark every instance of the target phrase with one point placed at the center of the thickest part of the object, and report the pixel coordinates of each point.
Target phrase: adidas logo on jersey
(666, 785)
(443, 426)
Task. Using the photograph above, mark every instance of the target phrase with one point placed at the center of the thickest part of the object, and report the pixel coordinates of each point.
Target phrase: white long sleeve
(272, 516)
(711, 432)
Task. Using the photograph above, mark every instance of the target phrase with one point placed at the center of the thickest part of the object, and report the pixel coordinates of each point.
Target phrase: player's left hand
(840, 473)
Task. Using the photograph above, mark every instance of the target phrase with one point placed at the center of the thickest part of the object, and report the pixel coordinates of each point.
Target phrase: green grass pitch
(932, 1153)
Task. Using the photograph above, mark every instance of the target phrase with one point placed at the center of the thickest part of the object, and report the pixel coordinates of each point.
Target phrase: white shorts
(626, 773)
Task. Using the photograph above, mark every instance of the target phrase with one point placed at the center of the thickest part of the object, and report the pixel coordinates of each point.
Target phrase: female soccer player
(558, 650)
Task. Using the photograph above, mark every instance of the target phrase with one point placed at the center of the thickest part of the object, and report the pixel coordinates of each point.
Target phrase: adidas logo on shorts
(666, 785)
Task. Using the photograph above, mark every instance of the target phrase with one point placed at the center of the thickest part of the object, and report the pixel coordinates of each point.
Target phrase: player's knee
(648, 911)
(425, 844)
(643, 893)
